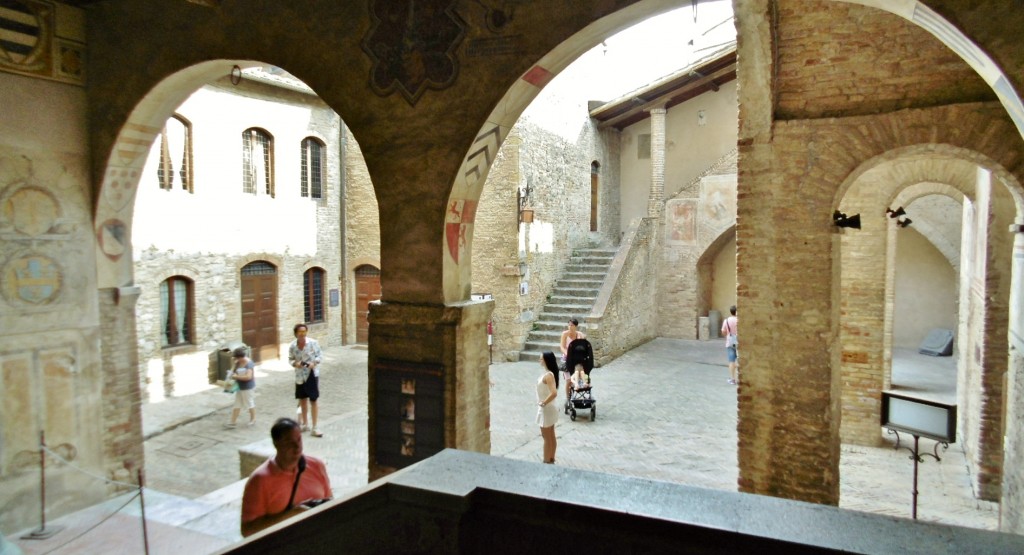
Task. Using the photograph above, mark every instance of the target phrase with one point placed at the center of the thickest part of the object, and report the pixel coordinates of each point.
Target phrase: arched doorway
(259, 309)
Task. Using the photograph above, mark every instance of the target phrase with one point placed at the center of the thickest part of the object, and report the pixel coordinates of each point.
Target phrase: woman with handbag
(243, 374)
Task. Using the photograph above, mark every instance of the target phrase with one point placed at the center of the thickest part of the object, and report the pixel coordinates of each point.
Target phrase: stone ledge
(462, 502)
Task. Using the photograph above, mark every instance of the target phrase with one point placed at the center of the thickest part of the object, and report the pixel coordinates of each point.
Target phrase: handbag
(230, 385)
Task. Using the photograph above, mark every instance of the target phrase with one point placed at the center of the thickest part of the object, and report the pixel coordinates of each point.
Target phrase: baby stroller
(581, 397)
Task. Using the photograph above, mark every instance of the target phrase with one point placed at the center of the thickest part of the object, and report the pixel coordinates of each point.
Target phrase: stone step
(568, 293)
(578, 283)
(586, 268)
(563, 311)
(546, 335)
(573, 296)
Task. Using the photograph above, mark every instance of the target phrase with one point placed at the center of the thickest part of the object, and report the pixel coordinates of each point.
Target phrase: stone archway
(867, 270)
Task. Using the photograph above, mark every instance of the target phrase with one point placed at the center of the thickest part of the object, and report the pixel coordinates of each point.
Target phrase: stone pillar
(1011, 507)
(656, 200)
(428, 382)
(122, 409)
(988, 453)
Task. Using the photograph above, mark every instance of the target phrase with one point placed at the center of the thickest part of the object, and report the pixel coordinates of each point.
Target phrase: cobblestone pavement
(665, 412)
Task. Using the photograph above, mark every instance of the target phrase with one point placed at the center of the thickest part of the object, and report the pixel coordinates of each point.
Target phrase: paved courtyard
(665, 412)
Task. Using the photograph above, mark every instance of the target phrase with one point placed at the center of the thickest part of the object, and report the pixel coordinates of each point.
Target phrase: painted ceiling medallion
(411, 44)
(24, 32)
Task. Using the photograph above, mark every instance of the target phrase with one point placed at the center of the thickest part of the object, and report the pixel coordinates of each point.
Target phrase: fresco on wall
(461, 213)
(411, 44)
(718, 196)
(681, 227)
(31, 43)
(31, 279)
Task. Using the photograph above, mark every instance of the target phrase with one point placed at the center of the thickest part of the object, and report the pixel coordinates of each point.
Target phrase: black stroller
(582, 397)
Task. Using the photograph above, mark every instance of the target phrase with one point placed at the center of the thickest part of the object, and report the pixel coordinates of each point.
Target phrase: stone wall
(55, 378)
(228, 228)
(698, 133)
(699, 220)
(621, 319)
(520, 270)
(361, 226)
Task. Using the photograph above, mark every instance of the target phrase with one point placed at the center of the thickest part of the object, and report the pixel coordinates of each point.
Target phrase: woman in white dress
(547, 410)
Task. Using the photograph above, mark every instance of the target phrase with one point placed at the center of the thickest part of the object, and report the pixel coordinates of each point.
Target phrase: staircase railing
(623, 316)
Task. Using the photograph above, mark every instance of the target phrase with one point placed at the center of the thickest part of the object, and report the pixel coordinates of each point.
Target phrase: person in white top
(729, 327)
(547, 410)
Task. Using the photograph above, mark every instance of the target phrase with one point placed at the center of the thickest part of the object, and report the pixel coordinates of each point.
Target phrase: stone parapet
(622, 315)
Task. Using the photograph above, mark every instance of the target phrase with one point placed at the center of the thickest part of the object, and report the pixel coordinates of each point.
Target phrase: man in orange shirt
(285, 484)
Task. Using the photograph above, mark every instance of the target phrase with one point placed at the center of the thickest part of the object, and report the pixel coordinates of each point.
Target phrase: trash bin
(714, 324)
(221, 359)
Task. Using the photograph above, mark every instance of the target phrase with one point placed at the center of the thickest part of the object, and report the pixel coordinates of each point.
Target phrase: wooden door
(259, 310)
(367, 291)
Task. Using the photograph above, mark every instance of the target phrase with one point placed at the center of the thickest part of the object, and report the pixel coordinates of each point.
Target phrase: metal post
(42, 533)
(916, 458)
(142, 509)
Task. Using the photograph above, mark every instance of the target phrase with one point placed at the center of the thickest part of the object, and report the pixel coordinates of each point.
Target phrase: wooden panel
(259, 315)
(367, 291)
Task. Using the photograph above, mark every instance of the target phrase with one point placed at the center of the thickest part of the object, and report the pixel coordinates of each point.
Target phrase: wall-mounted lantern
(525, 214)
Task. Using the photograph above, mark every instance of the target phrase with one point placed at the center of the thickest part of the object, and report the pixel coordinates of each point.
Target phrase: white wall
(723, 289)
(690, 147)
(926, 290)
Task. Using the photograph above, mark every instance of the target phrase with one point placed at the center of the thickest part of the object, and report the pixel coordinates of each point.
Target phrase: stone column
(122, 412)
(656, 200)
(428, 382)
(994, 347)
(1011, 517)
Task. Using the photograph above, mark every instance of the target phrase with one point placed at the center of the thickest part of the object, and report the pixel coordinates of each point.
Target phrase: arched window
(176, 302)
(175, 154)
(257, 162)
(312, 178)
(313, 294)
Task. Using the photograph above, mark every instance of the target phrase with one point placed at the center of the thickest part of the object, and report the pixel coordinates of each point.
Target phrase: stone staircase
(573, 297)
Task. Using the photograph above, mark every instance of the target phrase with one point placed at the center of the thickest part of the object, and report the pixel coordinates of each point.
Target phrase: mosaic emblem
(24, 31)
(461, 213)
(411, 44)
(33, 279)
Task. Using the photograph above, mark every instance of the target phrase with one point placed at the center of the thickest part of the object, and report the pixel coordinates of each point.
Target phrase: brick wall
(868, 61)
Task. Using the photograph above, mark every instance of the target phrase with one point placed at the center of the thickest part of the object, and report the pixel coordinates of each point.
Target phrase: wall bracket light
(842, 220)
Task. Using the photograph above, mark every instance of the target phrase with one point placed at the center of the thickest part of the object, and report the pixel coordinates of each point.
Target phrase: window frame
(169, 311)
(165, 162)
(250, 181)
(311, 183)
(311, 307)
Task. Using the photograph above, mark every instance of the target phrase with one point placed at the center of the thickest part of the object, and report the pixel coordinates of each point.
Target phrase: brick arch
(913, 164)
(705, 269)
(913, 192)
(895, 178)
(310, 264)
(249, 258)
(890, 178)
(178, 270)
(908, 195)
(950, 35)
